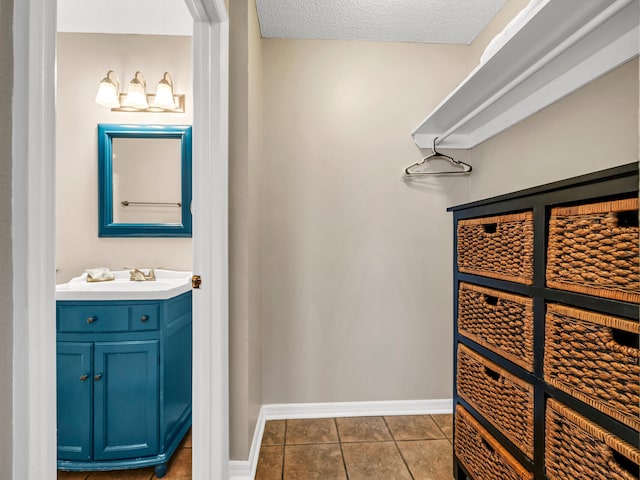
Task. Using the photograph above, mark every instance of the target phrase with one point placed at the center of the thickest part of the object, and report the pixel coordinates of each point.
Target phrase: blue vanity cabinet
(124, 382)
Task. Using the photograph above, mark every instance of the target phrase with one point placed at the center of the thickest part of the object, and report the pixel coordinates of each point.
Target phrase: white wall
(82, 61)
(6, 264)
(356, 263)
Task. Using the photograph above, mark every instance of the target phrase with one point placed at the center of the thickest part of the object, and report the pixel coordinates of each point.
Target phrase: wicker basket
(499, 321)
(503, 399)
(497, 247)
(576, 448)
(593, 249)
(594, 358)
(482, 456)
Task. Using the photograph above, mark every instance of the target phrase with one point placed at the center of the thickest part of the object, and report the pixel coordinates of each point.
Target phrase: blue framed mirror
(144, 180)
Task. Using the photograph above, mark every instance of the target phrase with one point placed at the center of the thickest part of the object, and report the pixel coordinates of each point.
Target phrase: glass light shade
(108, 91)
(136, 94)
(164, 94)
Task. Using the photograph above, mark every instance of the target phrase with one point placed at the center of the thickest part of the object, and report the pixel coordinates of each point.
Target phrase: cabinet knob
(97, 377)
(91, 319)
(83, 377)
(144, 318)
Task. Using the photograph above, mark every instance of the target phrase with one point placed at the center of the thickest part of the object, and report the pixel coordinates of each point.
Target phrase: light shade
(164, 95)
(108, 91)
(136, 93)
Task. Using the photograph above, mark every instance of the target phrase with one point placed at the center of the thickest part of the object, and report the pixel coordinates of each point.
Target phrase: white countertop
(168, 284)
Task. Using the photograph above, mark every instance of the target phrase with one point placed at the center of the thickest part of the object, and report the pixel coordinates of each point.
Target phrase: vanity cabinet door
(74, 393)
(126, 396)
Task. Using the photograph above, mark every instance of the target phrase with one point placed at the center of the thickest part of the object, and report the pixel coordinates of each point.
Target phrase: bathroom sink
(168, 283)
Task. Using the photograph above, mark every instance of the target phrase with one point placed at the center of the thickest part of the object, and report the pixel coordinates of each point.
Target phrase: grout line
(344, 462)
(439, 428)
(399, 451)
(284, 447)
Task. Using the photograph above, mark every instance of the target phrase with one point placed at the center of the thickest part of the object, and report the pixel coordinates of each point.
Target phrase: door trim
(33, 239)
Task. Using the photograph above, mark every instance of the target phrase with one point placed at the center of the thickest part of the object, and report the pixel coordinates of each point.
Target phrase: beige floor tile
(362, 429)
(374, 461)
(413, 427)
(72, 475)
(274, 432)
(270, 463)
(313, 462)
(307, 431)
(445, 422)
(428, 459)
(135, 474)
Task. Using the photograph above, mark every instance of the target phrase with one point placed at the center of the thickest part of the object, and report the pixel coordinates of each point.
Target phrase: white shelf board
(564, 46)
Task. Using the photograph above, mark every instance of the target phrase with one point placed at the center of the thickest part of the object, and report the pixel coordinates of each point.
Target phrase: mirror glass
(145, 180)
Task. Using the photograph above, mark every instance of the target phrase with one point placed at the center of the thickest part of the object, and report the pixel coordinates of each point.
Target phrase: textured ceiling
(431, 21)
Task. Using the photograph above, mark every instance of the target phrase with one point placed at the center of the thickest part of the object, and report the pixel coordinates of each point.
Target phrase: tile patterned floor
(179, 468)
(416, 447)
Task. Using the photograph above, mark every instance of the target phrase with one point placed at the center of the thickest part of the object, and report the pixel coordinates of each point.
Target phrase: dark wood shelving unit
(611, 184)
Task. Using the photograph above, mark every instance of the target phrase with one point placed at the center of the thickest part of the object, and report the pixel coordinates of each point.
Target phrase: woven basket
(497, 247)
(593, 249)
(594, 358)
(503, 399)
(482, 456)
(576, 448)
(499, 321)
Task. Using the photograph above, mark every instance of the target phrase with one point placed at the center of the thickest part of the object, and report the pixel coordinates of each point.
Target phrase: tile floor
(416, 447)
(179, 468)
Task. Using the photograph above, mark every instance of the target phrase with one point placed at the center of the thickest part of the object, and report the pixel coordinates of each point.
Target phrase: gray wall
(245, 154)
(6, 312)
(356, 263)
(594, 128)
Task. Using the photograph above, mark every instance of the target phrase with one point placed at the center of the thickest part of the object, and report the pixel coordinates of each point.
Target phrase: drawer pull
(92, 319)
(84, 377)
(97, 377)
(144, 318)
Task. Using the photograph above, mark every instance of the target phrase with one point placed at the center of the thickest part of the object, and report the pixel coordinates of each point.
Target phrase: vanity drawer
(91, 318)
(145, 317)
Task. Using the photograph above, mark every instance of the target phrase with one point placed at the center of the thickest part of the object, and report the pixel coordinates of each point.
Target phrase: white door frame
(33, 240)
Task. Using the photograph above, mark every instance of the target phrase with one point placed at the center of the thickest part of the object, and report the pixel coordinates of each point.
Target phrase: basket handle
(491, 373)
(619, 462)
(627, 218)
(491, 300)
(624, 342)
(487, 445)
(490, 227)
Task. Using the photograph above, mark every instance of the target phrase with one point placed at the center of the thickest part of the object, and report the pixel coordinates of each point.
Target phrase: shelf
(565, 45)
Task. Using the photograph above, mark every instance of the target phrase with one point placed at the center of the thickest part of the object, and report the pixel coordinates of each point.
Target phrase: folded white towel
(510, 29)
(99, 274)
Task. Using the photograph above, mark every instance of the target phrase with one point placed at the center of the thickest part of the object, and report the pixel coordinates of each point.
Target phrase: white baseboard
(246, 469)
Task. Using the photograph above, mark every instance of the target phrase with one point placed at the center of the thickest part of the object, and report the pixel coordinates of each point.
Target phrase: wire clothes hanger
(465, 167)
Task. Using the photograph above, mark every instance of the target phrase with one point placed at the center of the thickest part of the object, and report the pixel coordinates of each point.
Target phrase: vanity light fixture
(136, 96)
(136, 99)
(164, 93)
(108, 91)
